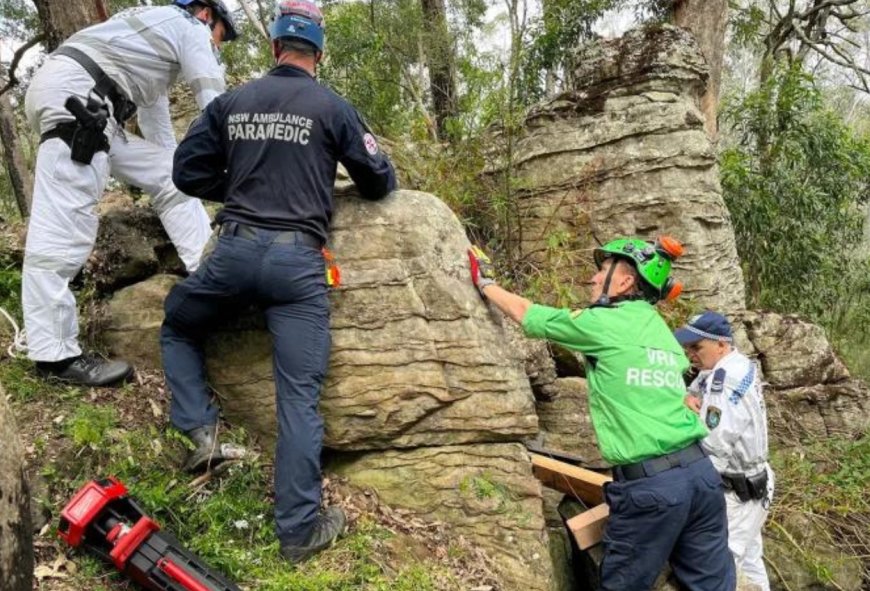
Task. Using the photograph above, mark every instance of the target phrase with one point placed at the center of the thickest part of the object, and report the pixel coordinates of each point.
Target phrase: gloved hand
(482, 271)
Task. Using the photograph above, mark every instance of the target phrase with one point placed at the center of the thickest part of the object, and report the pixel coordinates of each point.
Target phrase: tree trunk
(19, 175)
(62, 18)
(16, 531)
(706, 20)
(439, 56)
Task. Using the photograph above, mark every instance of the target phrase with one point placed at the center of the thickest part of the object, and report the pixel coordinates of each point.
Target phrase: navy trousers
(676, 516)
(286, 279)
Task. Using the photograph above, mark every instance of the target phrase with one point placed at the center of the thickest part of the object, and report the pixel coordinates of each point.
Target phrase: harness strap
(122, 107)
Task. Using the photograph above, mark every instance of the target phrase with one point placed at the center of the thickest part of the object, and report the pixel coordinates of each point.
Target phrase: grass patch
(10, 288)
(823, 488)
(22, 384)
(89, 425)
(228, 522)
(854, 349)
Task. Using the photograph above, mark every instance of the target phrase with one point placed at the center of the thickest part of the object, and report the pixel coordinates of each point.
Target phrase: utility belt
(333, 273)
(651, 467)
(283, 237)
(86, 135)
(747, 488)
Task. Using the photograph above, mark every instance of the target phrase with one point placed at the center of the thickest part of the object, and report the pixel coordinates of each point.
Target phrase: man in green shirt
(666, 500)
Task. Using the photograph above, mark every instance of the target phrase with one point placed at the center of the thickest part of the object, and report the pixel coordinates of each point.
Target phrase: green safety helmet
(651, 260)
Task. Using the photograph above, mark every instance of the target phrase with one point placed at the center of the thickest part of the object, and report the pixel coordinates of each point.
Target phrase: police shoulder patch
(714, 417)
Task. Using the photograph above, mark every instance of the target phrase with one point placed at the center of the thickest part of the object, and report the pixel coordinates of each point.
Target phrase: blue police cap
(708, 325)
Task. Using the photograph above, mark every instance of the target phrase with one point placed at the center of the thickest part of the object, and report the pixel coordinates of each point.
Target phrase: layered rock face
(484, 489)
(565, 422)
(423, 381)
(416, 360)
(625, 153)
(810, 394)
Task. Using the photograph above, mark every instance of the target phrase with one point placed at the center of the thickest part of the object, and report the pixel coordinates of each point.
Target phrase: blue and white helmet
(298, 19)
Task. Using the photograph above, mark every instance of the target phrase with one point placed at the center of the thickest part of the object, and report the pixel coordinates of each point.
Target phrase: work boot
(207, 453)
(88, 369)
(328, 527)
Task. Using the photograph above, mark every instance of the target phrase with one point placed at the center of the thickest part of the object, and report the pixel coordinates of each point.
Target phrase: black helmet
(223, 13)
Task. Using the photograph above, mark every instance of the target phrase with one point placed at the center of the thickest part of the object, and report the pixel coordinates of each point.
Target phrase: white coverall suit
(143, 50)
(732, 407)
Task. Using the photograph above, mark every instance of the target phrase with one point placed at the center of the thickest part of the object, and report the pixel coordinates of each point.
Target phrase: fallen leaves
(60, 568)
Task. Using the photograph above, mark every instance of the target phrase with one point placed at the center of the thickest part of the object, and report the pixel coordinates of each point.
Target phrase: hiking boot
(207, 453)
(88, 369)
(328, 527)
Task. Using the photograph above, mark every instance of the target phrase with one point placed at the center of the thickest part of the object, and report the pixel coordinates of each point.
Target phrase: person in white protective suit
(78, 101)
(727, 394)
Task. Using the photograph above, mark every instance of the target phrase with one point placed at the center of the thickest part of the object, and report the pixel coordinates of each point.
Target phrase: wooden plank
(583, 484)
(588, 527)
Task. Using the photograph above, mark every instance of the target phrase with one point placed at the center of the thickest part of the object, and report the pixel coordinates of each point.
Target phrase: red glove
(482, 271)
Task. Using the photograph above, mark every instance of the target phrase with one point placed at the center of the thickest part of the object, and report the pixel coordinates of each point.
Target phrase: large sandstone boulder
(565, 422)
(538, 362)
(486, 491)
(625, 153)
(133, 319)
(131, 246)
(819, 411)
(792, 352)
(809, 392)
(416, 358)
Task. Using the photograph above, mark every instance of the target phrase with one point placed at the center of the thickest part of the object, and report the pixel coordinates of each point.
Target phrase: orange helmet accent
(671, 246)
(675, 291)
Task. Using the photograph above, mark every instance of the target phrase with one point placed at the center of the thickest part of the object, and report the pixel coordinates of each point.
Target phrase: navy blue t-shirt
(268, 151)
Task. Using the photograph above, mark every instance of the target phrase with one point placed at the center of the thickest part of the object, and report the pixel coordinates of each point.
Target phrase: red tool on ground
(102, 519)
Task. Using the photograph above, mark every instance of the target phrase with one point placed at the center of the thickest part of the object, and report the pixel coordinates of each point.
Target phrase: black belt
(747, 488)
(65, 131)
(653, 466)
(282, 237)
(122, 107)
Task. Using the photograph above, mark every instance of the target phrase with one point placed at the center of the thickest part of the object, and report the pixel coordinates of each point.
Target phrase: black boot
(328, 527)
(88, 369)
(207, 454)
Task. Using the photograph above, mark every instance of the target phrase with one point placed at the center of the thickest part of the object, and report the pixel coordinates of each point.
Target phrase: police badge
(714, 415)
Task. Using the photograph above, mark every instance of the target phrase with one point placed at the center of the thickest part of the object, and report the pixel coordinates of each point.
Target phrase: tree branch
(822, 5)
(842, 59)
(258, 24)
(16, 58)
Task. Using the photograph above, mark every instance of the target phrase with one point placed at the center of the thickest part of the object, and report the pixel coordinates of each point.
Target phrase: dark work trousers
(677, 515)
(287, 281)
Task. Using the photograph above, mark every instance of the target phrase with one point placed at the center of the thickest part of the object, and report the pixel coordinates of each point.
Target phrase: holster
(758, 485)
(753, 488)
(86, 135)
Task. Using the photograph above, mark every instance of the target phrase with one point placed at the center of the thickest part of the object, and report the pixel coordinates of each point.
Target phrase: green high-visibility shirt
(634, 370)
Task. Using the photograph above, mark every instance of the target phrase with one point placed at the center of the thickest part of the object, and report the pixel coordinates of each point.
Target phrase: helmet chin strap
(605, 299)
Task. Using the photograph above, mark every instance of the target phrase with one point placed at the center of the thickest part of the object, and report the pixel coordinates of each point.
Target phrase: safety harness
(86, 135)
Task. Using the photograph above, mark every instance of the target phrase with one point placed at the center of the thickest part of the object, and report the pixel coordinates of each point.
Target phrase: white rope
(19, 340)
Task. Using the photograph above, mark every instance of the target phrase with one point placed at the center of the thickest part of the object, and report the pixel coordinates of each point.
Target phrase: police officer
(732, 406)
(666, 500)
(79, 100)
(268, 151)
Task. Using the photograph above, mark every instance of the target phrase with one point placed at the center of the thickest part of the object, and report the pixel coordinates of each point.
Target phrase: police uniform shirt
(269, 150)
(732, 407)
(144, 50)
